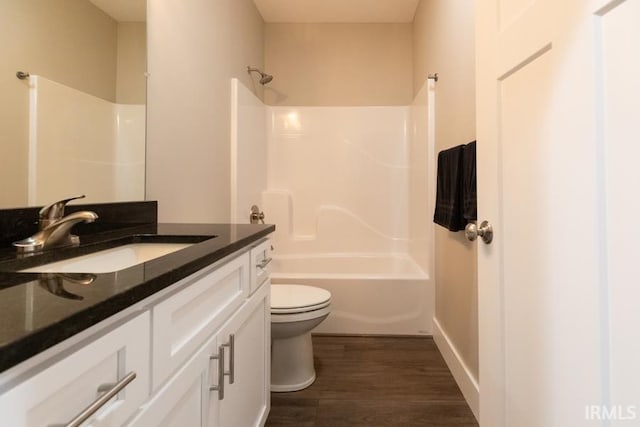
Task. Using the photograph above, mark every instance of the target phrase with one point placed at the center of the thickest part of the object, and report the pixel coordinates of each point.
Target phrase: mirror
(76, 125)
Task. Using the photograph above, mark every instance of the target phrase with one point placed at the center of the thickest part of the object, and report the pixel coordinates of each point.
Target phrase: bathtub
(371, 294)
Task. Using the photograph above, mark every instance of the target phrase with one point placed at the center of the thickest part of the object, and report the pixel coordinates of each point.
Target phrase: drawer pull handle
(101, 401)
(264, 262)
(220, 387)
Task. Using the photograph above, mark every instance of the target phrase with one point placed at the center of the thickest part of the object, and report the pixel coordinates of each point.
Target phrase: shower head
(264, 77)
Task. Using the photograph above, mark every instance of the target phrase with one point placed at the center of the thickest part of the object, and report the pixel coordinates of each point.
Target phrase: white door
(558, 107)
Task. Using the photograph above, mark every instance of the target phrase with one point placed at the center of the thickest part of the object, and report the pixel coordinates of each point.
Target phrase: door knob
(472, 231)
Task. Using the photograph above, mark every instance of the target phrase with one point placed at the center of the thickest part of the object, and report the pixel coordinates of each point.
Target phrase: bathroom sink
(110, 260)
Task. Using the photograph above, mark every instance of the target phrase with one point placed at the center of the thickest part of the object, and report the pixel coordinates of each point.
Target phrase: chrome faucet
(54, 228)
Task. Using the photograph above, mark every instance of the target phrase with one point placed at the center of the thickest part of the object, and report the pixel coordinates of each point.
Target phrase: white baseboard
(466, 381)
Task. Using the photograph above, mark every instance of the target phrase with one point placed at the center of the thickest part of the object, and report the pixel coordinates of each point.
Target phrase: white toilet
(295, 311)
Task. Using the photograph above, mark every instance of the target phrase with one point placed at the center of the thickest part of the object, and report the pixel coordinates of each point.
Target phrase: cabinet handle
(232, 358)
(221, 372)
(220, 387)
(101, 401)
(264, 262)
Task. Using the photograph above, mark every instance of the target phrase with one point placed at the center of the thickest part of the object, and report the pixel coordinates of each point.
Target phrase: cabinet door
(246, 400)
(184, 400)
(59, 393)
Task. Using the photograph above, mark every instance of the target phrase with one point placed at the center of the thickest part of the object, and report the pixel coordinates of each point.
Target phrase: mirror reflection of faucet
(54, 228)
(54, 283)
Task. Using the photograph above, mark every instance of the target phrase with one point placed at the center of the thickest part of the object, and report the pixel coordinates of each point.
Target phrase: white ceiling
(343, 11)
(123, 10)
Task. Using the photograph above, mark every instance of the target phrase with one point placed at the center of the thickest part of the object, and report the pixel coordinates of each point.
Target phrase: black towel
(448, 212)
(469, 189)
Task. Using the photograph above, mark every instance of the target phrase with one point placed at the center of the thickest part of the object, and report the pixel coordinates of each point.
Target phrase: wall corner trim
(464, 378)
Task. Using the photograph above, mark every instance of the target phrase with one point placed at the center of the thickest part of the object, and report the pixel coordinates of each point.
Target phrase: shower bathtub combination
(350, 189)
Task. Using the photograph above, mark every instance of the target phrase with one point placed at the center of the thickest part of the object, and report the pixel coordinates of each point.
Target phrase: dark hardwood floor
(374, 381)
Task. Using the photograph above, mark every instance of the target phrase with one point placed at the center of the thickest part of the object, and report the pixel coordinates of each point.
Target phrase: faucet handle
(55, 211)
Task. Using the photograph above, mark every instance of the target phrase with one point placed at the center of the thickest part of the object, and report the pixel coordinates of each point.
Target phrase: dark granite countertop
(40, 310)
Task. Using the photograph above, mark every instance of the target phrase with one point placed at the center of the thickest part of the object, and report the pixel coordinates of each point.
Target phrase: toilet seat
(301, 316)
(294, 299)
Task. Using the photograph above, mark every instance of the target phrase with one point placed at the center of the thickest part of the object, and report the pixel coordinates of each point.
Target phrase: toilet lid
(296, 298)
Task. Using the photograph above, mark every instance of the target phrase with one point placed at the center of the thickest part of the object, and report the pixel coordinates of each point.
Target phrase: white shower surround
(338, 179)
(82, 144)
(248, 151)
(340, 187)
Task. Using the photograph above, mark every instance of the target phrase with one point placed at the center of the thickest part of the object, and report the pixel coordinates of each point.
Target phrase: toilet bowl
(295, 311)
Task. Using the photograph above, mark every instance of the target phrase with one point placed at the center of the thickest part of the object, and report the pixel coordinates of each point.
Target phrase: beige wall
(339, 64)
(131, 82)
(74, 45)
(195, 47)
(444, 43)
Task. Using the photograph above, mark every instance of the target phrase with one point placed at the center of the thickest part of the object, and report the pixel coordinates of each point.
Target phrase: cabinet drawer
(260, 264)
(184, 321)
(56, 395)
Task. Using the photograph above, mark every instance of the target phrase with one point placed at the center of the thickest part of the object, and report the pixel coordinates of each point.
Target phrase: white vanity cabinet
(200, 352)
(58, 395)
(226, 383)
(212, 350)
